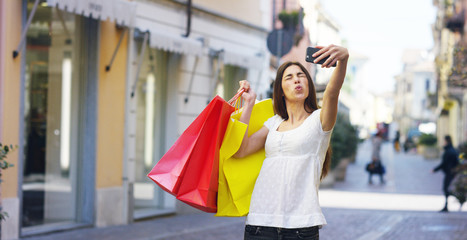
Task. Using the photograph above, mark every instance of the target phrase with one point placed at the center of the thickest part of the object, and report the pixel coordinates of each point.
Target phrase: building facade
(415, 87)
(316, 28)
(99, 90)
(451, 70)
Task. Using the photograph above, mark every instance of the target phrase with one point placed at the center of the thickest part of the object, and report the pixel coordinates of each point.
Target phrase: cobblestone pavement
(405, 173)
(406, 207)
(382, 224)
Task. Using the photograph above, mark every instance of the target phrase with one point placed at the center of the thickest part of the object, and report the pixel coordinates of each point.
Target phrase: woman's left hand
(335, 53)
(249, 95)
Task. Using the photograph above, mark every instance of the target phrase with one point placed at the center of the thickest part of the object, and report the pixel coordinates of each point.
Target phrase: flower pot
(429, 152)
(341, 170)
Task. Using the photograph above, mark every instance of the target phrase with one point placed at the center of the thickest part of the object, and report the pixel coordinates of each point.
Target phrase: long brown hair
(310, 104)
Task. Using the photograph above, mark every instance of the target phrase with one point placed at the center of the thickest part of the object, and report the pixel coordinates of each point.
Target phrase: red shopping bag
(200, 181)
(189, 170)
(168, 171)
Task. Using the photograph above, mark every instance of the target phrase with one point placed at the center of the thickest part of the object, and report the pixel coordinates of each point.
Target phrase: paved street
(406, 207)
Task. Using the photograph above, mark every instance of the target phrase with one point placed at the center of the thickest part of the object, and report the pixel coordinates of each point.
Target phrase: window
(54, 79)
(151, 104)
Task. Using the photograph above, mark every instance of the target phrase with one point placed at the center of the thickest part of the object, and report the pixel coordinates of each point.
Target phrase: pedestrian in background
(408, 144)
(448, 163)
(397, 145)
(375, 166)
(284, 203)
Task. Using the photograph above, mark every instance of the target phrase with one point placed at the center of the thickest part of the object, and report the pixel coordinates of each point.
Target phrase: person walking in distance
(448, 162)
(397, 141)
(375, 166)
(284, 203)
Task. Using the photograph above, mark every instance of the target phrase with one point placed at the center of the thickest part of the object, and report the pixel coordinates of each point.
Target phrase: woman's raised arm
(331, 94)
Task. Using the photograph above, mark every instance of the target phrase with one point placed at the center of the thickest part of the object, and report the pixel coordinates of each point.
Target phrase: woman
(376, 166)
(284, 202)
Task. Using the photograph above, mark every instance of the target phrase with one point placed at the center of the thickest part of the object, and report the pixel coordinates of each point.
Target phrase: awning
(174, 43)
(444, 106)
(120, 11)
(243, 60)
(448, 104)
(165, 40)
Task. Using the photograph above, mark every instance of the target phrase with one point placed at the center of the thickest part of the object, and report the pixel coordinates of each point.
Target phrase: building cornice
(197, 9)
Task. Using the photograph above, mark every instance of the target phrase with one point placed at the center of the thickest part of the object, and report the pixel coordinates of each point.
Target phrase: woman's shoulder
(315, 114)
(316, 121)
(274, 118)
(273, 121)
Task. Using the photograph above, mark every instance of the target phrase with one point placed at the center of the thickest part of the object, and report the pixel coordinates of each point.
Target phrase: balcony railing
(458, 76)
(456, 22)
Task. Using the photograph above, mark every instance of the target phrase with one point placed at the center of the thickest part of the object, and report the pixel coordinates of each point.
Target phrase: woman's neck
(296, 112)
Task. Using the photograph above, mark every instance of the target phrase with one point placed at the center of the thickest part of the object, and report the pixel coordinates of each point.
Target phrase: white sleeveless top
(286, 191)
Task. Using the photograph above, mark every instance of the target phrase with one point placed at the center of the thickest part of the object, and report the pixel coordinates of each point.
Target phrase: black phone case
(309, 53)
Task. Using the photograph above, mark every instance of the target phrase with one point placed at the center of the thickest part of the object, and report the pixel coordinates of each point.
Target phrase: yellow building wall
(454, 123)
(246, 10)
(111, 107)
(10, 92)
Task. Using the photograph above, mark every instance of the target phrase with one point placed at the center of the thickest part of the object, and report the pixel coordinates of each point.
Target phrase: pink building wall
(297, 53)
(2, 64)
(289, 5)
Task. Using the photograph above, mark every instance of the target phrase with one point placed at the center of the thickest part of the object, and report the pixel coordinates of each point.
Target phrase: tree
(344, 140)
(458, 186)
(4, 150)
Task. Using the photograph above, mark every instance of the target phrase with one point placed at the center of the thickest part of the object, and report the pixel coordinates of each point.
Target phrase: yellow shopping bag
(237, 176)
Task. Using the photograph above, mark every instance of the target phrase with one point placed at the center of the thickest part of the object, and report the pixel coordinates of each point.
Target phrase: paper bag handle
(233, 101)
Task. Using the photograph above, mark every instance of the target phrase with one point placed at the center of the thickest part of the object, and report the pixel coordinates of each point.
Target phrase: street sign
(280, 42)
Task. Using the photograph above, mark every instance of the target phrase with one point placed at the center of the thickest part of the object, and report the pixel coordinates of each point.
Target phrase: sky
(381, 30)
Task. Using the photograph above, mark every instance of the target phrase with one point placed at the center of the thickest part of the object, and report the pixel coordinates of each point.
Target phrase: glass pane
(150, 96)
(49, 183)
(232, 75)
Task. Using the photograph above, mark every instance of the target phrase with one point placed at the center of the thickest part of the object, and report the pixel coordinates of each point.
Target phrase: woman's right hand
(249, 96)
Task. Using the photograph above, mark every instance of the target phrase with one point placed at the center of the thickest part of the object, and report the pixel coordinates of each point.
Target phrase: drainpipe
(188, 19)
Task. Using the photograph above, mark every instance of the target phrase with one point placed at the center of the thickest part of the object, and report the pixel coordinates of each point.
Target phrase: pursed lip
(298, 87)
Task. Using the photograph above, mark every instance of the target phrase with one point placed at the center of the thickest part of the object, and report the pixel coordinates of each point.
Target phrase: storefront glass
(151, 103)
(232, 75)
(51, 105)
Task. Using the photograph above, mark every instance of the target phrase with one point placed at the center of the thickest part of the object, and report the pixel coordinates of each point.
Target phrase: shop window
(232, 75)
(151, 103)
(51, 116)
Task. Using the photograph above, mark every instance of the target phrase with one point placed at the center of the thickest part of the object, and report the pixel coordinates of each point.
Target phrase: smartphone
(309, 56)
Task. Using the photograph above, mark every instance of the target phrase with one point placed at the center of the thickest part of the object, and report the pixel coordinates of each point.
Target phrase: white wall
(217, 33)
(420, 95)
(322, 30)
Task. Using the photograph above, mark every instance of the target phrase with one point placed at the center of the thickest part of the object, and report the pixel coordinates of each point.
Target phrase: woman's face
(294, 84)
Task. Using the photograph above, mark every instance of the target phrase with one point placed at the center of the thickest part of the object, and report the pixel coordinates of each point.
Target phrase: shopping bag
(199, 184)
(237, 176)
(199, 143)
(231, 143)
(168, 171)
(375, 167)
